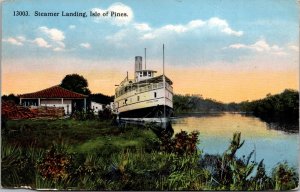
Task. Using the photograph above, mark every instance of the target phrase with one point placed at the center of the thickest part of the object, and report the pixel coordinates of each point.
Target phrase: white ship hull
(145, 96)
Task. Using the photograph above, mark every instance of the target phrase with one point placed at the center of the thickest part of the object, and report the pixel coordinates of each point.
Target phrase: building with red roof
(55, 96)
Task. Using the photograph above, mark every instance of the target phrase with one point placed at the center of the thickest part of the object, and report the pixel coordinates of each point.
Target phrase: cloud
(142, 26)
(54, 34)
(21, 38)
(72, 26)
(259, 46)
(15, 41)
(41, 42)
(112, 18)
(117, 38)
(212, 24)
(61, 44)
(293, 47)
(85, 45)
(56, 37)
(58, 49)
(53, 39)
(38, 41)
(223, 26)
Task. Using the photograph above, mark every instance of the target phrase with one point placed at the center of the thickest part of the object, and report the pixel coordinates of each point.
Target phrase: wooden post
(20, 101)
(39, 101)
(62, 100)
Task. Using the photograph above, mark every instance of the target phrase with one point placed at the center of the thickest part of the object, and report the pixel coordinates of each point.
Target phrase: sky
(230, 51)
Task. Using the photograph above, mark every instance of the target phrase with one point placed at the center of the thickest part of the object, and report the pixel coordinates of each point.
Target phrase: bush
(18, 165)
(285, 177)
(83, 115)
(157, 164)
(55, 165)
(105, 114)
(182, 143)
(4, 129)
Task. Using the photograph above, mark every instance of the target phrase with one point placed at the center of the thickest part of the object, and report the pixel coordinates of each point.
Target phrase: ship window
(138, 98)
(141, 74)
(145, 73)
(155, 95)
(149, 74)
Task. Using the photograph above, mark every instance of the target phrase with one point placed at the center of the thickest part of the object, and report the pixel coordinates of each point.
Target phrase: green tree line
(280, 106)
(284, 105)
(196, 103)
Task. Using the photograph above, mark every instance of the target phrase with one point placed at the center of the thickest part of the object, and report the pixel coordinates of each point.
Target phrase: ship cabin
(144, 74)
(146, 84)
(144, 80)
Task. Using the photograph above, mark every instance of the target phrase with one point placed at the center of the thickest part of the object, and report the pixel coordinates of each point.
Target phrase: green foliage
(105, 114)
(195, 103)
(4, 129)
(18, 165)
(285, 177)
(28, 133)
(55, 165)
(283, 106)
(100, 158)
(76, 83)
(101, 98)
(231, 173)
(183, 143)
(261, 181)
(273, 107)
(82, 115)
(234, 146)
(11, 97)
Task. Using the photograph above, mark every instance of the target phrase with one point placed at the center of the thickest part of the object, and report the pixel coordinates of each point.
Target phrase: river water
(216, 132)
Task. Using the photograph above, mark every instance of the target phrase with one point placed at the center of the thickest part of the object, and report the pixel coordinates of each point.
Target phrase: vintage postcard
(150, 95)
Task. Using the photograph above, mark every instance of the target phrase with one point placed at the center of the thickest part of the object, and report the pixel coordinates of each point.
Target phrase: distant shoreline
(212, 113)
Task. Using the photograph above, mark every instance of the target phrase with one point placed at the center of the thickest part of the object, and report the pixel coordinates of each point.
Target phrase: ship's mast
(164, 81)
(145, 58)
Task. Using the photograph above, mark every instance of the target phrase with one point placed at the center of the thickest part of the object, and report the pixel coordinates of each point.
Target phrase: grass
(131, 139)
(95, 155)
(43, 133)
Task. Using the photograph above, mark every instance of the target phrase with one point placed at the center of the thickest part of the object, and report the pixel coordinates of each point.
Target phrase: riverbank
(96, 155)
(211, 113)
(89, 135)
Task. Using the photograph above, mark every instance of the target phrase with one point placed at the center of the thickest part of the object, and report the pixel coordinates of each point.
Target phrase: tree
(11, 97)
(100, 98)
(76, 83)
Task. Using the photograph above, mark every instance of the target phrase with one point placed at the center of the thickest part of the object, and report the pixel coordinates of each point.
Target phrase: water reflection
(280, 124)
(271, 144)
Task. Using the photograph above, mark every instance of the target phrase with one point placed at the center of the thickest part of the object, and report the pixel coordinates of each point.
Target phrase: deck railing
(145, 88)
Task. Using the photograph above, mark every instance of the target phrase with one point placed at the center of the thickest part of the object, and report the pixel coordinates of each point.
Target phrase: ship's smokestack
(138, 64)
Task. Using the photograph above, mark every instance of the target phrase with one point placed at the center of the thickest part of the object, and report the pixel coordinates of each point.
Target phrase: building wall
(96, 107)
(29, 102)
(56, 101)
(67, 104)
